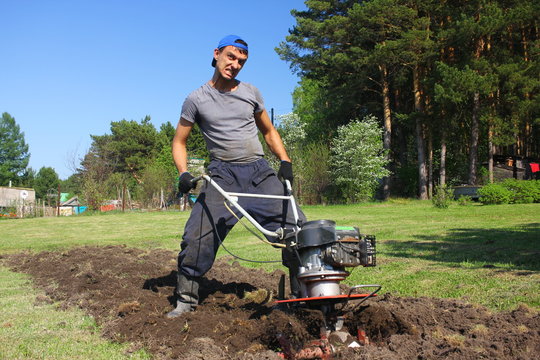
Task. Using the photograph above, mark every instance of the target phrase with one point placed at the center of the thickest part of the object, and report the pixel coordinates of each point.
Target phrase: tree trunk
(422, 171)
(494, 97)
(430, 164)
(387, 115)
(528, 138)
(400, 138)
(442, 171)
(524, 43)
(473, 149)
(473, 154)
(429, 130)
(490, 154)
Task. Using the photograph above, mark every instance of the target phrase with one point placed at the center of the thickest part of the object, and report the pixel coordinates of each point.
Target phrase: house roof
(74, 201)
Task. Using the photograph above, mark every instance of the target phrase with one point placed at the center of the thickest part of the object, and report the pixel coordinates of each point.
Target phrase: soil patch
(128, 291)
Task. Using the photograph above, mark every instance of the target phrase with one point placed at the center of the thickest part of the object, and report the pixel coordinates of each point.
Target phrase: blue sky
(69, 68)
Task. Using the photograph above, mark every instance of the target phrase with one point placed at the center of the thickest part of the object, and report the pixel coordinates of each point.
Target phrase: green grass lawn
(33, 330)
(488, 255)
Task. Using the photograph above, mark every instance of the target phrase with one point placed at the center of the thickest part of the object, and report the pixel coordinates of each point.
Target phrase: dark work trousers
(210, 221)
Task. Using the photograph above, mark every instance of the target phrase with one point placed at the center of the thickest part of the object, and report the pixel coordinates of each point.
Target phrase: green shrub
(443, 196)
(523, 191)
(483, 176)
(464, 200)
(494, 194)
(537, 190)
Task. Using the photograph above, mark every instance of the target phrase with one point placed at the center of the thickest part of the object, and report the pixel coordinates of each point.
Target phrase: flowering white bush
(293, 131)
(358, 158)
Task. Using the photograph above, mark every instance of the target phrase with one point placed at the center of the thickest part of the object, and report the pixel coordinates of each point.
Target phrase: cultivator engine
(324, 251)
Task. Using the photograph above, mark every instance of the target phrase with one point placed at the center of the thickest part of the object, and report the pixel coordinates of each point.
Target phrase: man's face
(229, 61)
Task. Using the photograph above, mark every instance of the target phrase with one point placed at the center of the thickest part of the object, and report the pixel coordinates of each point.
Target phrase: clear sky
(70, 67)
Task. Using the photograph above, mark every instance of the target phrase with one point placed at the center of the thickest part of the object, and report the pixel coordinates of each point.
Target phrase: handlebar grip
(195, 180)
(288, 186)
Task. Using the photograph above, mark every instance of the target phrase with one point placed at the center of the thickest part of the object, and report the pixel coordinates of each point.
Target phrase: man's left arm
(273, 139)
(271, 136)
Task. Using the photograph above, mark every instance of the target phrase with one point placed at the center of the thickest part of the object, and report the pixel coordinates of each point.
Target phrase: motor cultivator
(324, 251)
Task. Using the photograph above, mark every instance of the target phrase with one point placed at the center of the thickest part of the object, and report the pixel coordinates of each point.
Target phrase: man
(229, 113)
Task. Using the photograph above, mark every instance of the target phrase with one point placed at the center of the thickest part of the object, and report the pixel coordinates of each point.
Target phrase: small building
(71, 207)
(16, 196)
(16, 201)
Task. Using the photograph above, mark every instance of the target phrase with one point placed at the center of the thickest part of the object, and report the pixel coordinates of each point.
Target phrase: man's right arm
(179, 145)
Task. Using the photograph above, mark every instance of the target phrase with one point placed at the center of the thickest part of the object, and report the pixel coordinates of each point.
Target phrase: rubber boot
(187, 290)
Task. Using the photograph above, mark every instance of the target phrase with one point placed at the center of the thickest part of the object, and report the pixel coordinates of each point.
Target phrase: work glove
(285, 171)
(185, 183)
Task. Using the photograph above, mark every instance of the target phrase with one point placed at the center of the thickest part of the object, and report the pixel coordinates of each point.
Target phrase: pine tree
(14, 155)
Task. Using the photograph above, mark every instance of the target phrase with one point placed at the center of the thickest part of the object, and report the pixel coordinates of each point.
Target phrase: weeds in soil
(455, 340)
(259, 296)
(480, 329)
(185, 328)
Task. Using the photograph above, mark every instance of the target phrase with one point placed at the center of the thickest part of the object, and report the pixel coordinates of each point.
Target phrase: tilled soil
(128, 291)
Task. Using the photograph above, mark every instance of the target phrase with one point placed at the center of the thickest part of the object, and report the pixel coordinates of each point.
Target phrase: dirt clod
(129, 291)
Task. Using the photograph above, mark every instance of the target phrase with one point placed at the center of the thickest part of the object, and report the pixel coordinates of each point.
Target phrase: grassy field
(488, 255)
(33, 330)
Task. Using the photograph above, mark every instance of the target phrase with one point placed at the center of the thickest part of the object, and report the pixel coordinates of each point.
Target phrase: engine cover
(337, 246)
(325, 250)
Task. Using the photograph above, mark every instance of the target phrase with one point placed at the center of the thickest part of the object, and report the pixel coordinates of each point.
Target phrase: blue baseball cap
(231, 40)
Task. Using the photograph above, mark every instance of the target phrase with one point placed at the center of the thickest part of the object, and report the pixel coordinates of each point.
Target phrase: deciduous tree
(358, 158)
(46, 179)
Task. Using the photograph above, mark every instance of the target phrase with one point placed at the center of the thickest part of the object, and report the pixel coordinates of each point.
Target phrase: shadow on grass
(482, 248)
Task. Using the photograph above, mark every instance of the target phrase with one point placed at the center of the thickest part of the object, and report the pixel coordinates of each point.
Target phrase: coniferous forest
(455, 84)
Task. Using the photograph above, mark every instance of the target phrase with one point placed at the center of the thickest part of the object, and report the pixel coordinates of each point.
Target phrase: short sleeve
(189, 110)
(259, 102)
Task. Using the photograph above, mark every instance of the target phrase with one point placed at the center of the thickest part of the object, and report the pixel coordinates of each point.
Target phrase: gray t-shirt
(227, 121)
